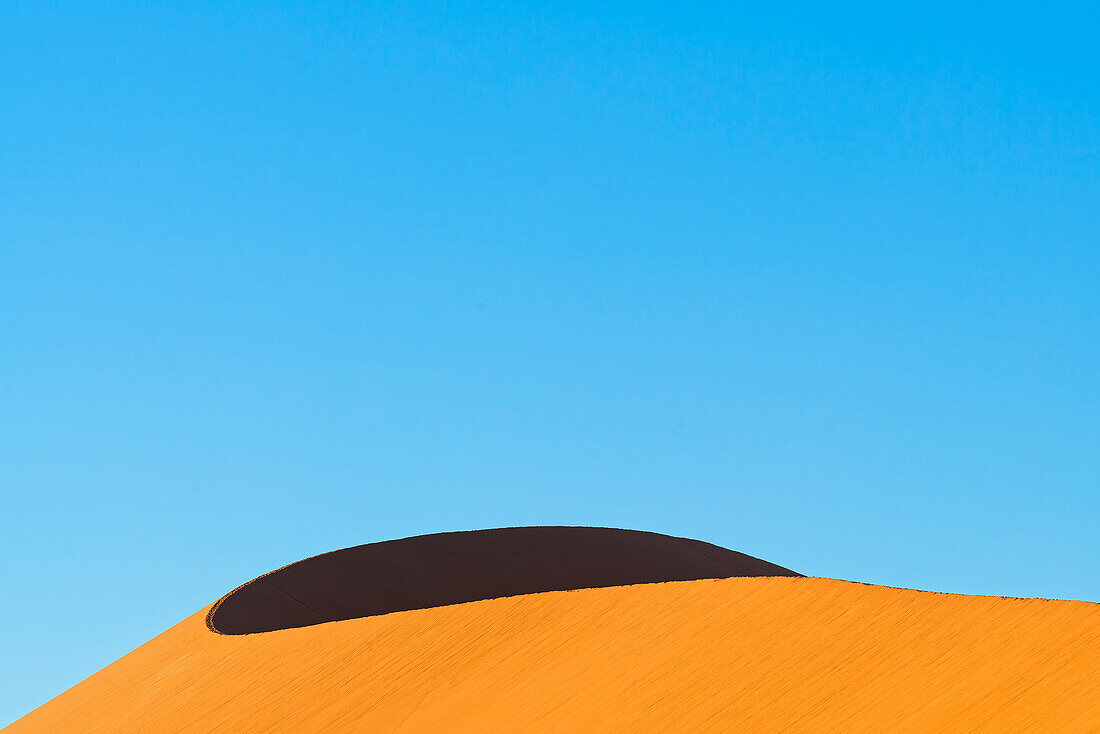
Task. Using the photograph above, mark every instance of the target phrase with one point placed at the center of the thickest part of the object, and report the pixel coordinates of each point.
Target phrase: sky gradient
(818, 285)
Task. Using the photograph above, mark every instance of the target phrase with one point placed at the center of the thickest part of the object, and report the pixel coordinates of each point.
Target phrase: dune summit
(452, 568)
(741, 652)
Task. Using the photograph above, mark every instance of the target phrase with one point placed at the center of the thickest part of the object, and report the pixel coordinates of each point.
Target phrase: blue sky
(820, 284)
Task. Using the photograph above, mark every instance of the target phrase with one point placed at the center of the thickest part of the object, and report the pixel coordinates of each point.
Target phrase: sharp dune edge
(453, 568)
(736, 654)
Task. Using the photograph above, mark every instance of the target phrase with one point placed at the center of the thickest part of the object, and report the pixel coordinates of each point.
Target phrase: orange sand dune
(738, 654)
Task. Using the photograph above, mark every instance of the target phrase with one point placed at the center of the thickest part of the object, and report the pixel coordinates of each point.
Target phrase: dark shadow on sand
(452, 568)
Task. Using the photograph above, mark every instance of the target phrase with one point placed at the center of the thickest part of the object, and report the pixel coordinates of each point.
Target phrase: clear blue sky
(817, 284)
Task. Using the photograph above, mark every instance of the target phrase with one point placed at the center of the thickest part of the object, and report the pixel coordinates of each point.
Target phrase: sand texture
(737, 654)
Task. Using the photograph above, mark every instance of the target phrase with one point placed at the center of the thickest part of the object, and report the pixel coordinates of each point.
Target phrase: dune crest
(452, 568)
(752, 653)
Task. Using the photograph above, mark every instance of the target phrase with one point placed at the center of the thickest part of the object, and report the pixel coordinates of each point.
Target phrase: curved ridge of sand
(452, 568)
(737, 654)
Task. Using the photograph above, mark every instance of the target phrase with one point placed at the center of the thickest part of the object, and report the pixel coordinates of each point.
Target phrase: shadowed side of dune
(452, 568)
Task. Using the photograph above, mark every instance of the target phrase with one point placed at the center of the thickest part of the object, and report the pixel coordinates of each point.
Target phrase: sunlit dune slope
(739, 654)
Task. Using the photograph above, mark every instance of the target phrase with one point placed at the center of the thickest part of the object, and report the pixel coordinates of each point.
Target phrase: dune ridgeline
(591, 629)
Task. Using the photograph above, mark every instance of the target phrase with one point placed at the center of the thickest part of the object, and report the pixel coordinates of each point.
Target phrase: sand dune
(451, 568)
(737, 654)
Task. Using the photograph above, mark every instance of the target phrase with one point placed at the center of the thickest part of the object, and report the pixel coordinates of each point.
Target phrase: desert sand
(767, 654)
